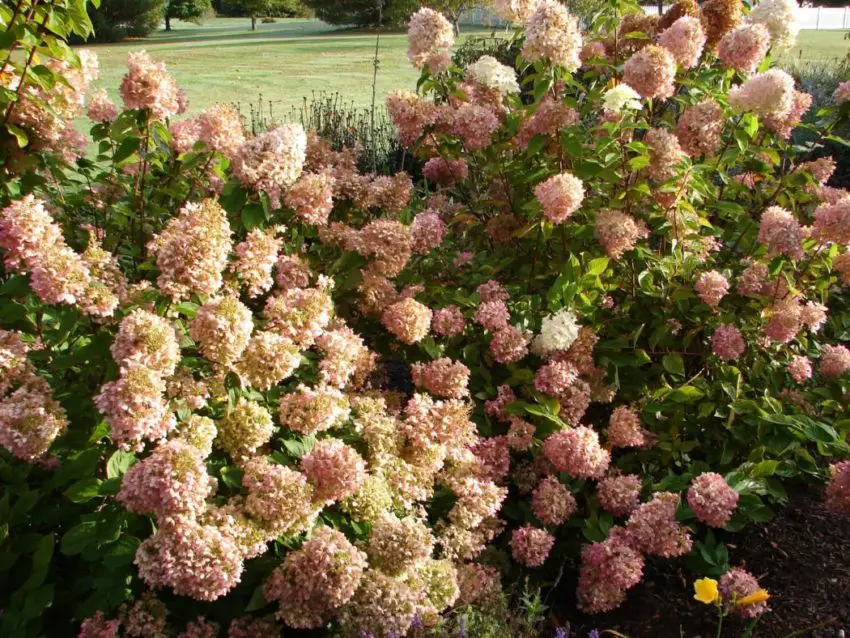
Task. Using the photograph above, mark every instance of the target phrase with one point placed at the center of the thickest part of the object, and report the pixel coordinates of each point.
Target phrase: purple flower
(594, 633)
(462, 629)
(562, 632)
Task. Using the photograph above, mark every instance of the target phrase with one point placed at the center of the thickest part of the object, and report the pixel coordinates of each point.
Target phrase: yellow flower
(758, 597)
(706, 591)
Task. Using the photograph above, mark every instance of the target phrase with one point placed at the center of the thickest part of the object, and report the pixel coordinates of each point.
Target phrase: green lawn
(820, 45)
(224, 61)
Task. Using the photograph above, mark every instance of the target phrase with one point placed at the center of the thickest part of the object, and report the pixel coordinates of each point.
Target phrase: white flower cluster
(781, 18)
(620, 98)
(558, 332)
(488, 71)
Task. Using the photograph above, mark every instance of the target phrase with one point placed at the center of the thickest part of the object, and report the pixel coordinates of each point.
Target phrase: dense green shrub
(118, 19)
(241, 377)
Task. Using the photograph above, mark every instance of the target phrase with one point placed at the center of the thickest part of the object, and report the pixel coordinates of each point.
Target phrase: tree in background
(118, 19)
(453, 9)
(189, 10)
(255, 9)
(364, 13)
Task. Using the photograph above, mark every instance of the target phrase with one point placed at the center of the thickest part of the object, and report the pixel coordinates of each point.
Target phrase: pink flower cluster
(782, 233)
(315, 580)
(442, 378)
(311, 197)
(767, 94)
(652, 71)
(334, 469)
(800, 368)
(199, 561)
(738, 583)
(560, 196)
(618, 232)
(300, 314)
(832, 223)
(30, 418)
(653, 528)
(837, 495)
(727, 342)
(577, 452)
(255, 258)
(531, 546)
(411, 115)
(408, 320)
(346, 356)
(192, 250)
(313, 410)
(665, 154)
(170, 483)
(685, 39)
(552, 34)
(34, 244)
(608, 569)
(101, 109)
(552, 502)
(550, 117)
(712, 499)
(147, 85)
(271, 161)
(625, 429)
(835, 361)
(426, 232)
(445, 172)
(448, 322)
(712, 287)
(699, 128)
(744, 47)
(619, 494)
(430, 37)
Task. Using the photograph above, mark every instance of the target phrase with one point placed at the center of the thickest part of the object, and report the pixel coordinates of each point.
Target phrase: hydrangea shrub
(246, 387)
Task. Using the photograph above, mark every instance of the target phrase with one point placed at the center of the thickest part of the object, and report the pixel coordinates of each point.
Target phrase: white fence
(820, 18)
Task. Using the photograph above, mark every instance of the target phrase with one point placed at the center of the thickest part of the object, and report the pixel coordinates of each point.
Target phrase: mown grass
(224, 61)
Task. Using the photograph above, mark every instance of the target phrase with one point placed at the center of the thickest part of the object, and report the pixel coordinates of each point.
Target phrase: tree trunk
(253, 23)
(456, 24)
(660, 7)
(167, 22)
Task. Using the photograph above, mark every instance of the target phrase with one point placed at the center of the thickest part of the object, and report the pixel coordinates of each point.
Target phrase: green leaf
(119, 463)
(187, 308)
(258, 600)
(750, 124)
(121, 552)
(19, 134)
(232, 477)
(78, 538)
(83, 490)
(686, 394)
(674, 364)
(299, 448)
(764, 469)
(126, 149)
(253, 216)
(597, 266)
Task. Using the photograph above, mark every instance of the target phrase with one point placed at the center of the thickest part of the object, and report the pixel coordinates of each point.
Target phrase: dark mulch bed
(802, 557)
